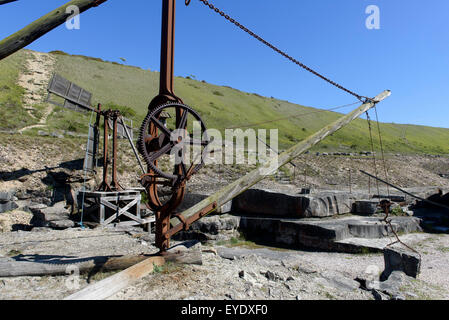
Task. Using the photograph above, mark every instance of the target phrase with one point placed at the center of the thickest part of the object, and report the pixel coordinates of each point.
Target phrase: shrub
(126, 111)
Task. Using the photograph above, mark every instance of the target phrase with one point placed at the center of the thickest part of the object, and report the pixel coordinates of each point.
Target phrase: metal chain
(382, 150)
(387, 209)
(227, 17)
(372, 149)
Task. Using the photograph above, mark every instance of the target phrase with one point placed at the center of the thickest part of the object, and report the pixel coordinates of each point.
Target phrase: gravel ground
(292, 274)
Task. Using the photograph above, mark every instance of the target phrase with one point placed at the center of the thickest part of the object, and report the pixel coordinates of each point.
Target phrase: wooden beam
(19, 267)
(107, 287)
(10, 267)
(186, 253)
(234, 189)
(41, 26)
(6, 1)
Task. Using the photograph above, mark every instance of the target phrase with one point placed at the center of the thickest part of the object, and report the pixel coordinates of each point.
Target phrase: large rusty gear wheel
(158, 139)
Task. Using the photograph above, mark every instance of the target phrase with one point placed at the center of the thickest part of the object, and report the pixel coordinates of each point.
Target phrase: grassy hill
(132, 88)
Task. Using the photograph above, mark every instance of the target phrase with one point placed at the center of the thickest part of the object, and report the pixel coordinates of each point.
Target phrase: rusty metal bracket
(183, 220)
(186, 223)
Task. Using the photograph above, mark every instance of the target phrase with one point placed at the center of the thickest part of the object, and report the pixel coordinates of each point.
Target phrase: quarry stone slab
(335, 234)
(365, 207)
(268, 203)
(400, 259)
(8, 206)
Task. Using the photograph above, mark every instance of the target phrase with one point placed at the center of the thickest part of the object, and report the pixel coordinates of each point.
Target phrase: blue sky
(408, 55)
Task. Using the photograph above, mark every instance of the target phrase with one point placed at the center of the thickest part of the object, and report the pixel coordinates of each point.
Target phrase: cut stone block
(6, 196)
(328, 234)
(267, 203)
(7, 206)
(400, 259)
(365, 207)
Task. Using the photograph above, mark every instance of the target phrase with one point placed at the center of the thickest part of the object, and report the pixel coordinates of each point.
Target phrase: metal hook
(187, 2)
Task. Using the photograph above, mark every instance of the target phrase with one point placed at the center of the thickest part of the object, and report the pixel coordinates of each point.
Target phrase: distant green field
(224, 107)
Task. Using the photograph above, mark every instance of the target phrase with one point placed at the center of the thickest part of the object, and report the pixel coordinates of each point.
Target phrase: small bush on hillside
(126, 111)
(62, 53)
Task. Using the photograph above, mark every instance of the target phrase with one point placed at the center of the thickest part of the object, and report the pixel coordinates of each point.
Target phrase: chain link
(387, 208)
(227, 17)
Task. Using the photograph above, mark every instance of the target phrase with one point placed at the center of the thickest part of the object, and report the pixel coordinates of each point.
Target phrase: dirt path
(40, 67)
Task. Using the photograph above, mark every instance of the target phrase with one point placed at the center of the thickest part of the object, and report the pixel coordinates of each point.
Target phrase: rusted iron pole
(42, 26)
(104, 186)
(114, 184)
(166, 94)
(229, 192)
(166, 79)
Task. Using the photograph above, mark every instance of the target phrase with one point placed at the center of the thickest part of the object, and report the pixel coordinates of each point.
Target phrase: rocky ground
(231, 269)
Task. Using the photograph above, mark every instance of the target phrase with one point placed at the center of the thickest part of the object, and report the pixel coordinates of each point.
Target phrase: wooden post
(234, 189)
(189, 253)
(109, 286)
(42, 26)
(6, 1)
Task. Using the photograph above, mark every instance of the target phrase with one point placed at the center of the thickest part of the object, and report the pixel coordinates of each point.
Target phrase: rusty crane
(155, 136)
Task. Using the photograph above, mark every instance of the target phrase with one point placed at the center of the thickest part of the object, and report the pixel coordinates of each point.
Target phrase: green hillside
(12, 115)
(132, 88)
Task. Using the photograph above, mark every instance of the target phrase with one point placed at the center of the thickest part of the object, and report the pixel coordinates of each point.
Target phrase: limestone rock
(265, 202)
(399, 259)
(215, 224)
(365, 207)
(62, 224)
(44, 215)
(14, 220)
(6, 196)
(8, 206)
(340, 282)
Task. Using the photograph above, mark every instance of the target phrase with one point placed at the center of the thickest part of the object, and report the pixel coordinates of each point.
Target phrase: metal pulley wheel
(173, 142)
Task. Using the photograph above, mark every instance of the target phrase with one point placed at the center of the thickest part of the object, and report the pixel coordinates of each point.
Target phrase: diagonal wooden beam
(234, 189)
(6, 1)
(185, 253)
(109, 286)
(41, 26)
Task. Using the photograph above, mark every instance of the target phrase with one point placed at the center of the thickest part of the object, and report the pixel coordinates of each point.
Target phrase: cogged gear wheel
(173, 142)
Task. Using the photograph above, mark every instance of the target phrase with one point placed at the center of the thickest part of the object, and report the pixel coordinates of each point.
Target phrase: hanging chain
(382, 151)
(372, 150)
(386, 220)
(227, 17)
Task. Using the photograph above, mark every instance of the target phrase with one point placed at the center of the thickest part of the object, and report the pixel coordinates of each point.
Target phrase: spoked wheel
(173, 142)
